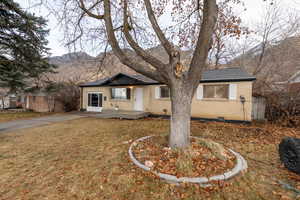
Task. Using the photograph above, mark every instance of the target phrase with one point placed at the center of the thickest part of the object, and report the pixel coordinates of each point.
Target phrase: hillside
(80, 67)
(281, 60)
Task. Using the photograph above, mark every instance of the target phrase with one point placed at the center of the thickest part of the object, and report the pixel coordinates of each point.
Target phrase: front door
(138, 99)
(94, 102)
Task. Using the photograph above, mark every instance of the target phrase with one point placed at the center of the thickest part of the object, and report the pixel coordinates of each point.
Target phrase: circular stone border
(240, 166)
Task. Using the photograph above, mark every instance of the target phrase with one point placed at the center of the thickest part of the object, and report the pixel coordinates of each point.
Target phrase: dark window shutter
(100, 100)
(111, 93)
(128, 93)
(89, 100)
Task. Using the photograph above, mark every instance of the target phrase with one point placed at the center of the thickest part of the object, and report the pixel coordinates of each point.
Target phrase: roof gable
(122, 80)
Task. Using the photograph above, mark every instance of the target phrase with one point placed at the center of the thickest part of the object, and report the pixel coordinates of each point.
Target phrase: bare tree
(272, 54)
(269, 52)
(228, 30)
(124, 25)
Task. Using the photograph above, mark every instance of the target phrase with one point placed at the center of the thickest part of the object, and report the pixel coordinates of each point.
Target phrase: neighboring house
(295, 78)
(42, 102)
(292, 85)
(222, 94)
(9, 101)
(5, 102)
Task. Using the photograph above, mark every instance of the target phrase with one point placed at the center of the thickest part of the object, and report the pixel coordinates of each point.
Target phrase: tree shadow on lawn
(88, 159)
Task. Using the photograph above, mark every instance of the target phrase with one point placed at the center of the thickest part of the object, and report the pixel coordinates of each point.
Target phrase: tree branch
(139, 51)
(80, 29)
(204, 41)
(161, 36)
(135, 65)
(88, 11)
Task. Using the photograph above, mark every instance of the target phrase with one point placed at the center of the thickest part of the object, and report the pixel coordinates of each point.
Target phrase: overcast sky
(254, 11)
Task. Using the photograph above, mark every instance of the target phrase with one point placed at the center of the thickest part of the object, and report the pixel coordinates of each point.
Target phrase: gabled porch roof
(122, 79)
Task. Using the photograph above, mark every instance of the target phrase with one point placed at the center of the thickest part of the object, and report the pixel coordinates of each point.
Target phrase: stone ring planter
(240, 166)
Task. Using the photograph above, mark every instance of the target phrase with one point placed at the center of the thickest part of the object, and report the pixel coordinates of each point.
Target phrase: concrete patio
(116, 114)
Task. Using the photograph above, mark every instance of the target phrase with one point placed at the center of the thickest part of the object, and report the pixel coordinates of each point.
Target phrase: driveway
(40, 121)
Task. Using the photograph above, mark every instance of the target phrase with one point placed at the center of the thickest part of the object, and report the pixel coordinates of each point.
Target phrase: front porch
(116, 114)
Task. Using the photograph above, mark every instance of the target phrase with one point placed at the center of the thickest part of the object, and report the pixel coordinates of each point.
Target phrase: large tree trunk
(181, 98)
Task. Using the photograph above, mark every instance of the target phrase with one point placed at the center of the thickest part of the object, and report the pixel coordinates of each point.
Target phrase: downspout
(243, 101)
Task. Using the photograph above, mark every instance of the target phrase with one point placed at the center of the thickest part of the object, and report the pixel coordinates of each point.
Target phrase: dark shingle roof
(226, 74)
(136, 79)
(220, 75)
(142, 78)
(96, 83)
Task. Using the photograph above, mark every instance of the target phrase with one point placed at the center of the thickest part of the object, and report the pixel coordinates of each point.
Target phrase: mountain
(80, 67)
(70, 58)
(281, 60)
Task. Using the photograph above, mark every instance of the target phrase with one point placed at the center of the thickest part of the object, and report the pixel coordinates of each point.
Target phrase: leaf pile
(196, 161)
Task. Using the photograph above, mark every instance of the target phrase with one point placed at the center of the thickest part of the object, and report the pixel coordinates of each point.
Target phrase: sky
(255, 9)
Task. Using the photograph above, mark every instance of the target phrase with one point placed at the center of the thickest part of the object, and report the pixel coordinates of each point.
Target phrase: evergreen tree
(22, 46)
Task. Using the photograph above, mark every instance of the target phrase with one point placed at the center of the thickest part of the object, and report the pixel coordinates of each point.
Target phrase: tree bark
(181, 98)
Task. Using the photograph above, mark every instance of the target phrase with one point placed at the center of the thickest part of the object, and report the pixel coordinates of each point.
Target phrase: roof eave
(228, 80)
(120, 85)
(202, 81)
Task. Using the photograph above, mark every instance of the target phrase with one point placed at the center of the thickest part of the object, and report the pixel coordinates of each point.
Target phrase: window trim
(216, 98)
(160, 97)
(98, 100)
(127, 98)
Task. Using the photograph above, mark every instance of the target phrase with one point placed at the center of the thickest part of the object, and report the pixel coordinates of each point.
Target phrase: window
(95, 100)
(120, 93)
(164, 92)
(216, 91)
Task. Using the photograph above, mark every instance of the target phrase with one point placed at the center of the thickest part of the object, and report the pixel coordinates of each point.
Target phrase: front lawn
(87, 159)
(10, 116)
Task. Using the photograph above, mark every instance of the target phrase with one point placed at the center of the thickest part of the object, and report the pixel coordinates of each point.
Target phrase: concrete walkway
(34, 122)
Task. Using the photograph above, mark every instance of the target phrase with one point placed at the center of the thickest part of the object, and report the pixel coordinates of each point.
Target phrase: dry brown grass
(10, 116)
(87, 159)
